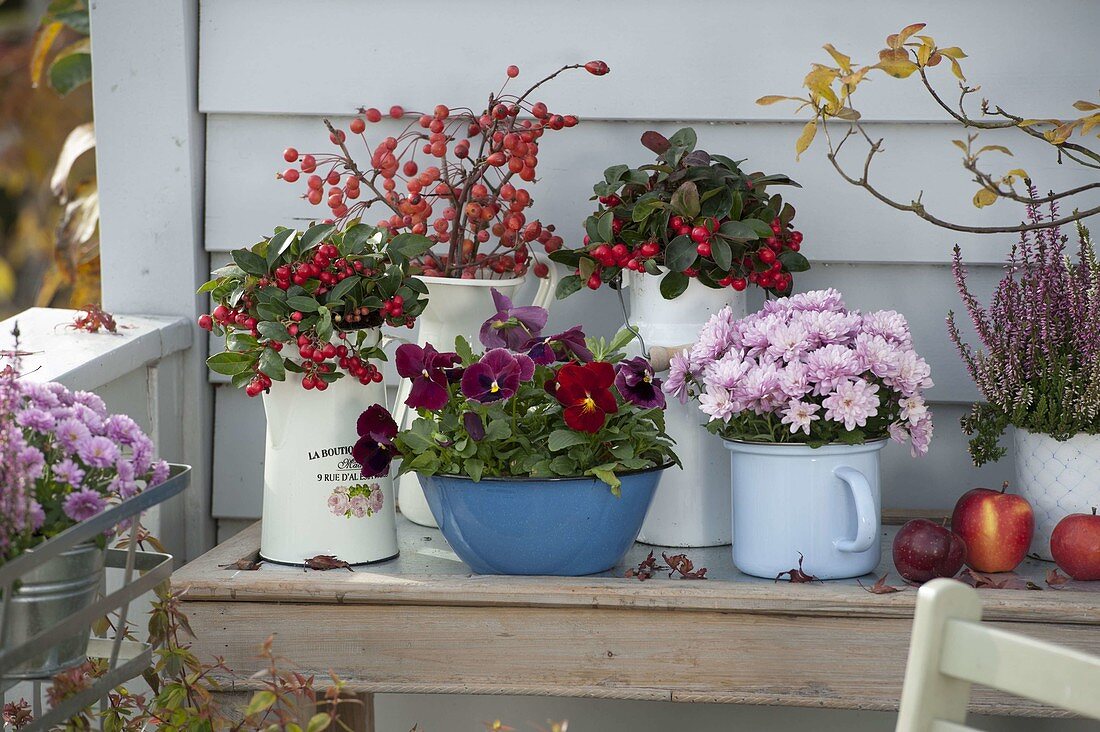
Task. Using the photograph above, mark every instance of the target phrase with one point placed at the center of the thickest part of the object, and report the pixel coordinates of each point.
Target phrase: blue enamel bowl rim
(548, 479)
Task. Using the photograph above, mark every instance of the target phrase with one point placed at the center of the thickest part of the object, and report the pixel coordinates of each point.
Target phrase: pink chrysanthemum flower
(852, 403)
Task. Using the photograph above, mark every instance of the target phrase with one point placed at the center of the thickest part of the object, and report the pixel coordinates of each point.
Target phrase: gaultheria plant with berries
(692, 214)
(804, 369)
(282, 302)
(1039, 368)
(531, 405)
(455, 174)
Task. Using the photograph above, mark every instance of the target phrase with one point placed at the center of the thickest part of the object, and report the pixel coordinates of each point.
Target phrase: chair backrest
(950, 649)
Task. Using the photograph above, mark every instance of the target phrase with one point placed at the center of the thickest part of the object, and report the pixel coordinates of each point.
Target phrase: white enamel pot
(692, 506)
(315, 499)
(456, 307)
(821, 503)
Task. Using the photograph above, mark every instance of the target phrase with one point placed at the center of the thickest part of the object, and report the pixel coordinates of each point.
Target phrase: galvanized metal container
(47, 595)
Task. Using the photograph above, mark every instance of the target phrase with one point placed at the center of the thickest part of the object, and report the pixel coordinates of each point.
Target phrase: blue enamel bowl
(546, 526)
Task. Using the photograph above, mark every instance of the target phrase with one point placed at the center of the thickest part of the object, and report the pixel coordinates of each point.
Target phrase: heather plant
(63, 460)
(806, 370)
(1039, 364)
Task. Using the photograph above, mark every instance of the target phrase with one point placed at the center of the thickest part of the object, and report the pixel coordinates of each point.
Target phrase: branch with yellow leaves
(830, 92)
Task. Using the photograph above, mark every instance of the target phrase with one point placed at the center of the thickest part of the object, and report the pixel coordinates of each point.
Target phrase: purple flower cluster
(804, 368)
(1039, 365)
(63, 456)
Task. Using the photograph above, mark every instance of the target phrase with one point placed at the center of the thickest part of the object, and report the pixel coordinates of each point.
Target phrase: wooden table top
(423, 623)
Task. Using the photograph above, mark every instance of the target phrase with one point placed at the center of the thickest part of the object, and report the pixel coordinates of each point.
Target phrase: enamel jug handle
(866, 515)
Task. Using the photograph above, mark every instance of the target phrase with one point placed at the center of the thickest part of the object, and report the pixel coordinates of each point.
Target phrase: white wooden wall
(262, 86)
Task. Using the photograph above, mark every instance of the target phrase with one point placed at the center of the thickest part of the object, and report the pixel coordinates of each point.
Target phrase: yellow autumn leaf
(953, 52)
(1087, 123)
(773, 98)
(1084, 106)
(995, 148)
(805, 138)
(1060, 134)
(847, 113)
(955, 68)
(842, 60)
(1019, 173)
(42, 44)
(961, 145)
(897, 39)
(924, 53)
(897, 68)
(935, 59)
(984, 197)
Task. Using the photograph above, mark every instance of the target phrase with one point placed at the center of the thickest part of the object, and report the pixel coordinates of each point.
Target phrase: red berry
(372, 115)
(765, 255)
(221, 313)
(397, 111)
(308, 164)
(512, 71)
(594, 281)
(703, 249)
(290, 155)
(442, 111)
(738, 283)
(796, 237)
(596, 68)
(290, 175)
(206, 322)
(357, 126)
(700, 235)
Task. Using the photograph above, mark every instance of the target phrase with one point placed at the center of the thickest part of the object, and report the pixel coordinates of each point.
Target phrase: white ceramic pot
(1057, 479)
(692, 506)
(455, 307)
(315, 500)
(821, 502)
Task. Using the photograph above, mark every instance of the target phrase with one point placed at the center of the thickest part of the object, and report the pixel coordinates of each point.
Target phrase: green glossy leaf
(250, 262)
(302, 303)
(464, 350)
(739, 230)
(277, 244)
(229, 363)
(604, 228)
(567, 286)
(794, 261)
(70, 71)
(680, 254)
(356, 238)
(562, 439)
(615, 173)
(324, 326)
(271, 363)
(685, 201)
(261, 701)
(274, 330)
(684, 138)
(409, 245)
(474, 468)
(609, 477)
(673, 285)
(342, 288)
(314, 235)
(721, 253)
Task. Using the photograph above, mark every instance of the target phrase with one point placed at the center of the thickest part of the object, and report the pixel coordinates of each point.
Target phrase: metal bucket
(46, 596)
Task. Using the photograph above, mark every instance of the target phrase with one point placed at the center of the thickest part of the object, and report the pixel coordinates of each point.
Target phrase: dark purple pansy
(567, 346)
(475, 428)
(511, 327)
(495, 377)
(374, 450)
(427, 368)
(636, 384)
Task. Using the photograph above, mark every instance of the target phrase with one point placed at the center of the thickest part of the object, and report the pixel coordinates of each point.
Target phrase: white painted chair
(951, 649)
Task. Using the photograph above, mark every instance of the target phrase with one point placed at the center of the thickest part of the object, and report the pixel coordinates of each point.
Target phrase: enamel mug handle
(399, 408)
(547, 288)
(866, 516)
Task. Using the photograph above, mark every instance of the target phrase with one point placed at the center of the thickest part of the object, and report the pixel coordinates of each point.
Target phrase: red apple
(1075, 545)
(924, 550)
(996, 527)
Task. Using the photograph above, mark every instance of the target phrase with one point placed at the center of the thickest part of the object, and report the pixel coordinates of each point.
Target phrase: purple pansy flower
(495, 377)
(426, 367)
(511, 327)
(565, 346)
(635, 382)
(83, 504)
(475, 427)
(375, 449)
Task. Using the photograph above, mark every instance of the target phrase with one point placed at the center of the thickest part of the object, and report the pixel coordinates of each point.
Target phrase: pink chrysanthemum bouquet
(805, 369)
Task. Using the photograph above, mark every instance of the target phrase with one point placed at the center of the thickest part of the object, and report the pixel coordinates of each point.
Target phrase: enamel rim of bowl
(556, 479)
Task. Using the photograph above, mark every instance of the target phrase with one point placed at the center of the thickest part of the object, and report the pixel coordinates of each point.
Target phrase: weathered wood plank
(425, 575)
(606, 652)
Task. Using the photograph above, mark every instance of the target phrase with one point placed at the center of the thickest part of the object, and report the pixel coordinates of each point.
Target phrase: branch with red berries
(690, 215)
(462, 193)
(323, 292)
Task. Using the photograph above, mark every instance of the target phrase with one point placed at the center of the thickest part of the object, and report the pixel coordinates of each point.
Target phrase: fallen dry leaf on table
(880, 587)
(1054, 579)
(246, 564)
(680, 564)
(645, 569)
(797, 575)
(325, 562)
(1005, 582)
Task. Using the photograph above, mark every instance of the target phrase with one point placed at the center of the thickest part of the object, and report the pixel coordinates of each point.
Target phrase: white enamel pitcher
(455, 307)
(315, 499)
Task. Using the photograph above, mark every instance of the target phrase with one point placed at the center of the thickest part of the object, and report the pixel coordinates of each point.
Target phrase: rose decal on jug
(357, 501)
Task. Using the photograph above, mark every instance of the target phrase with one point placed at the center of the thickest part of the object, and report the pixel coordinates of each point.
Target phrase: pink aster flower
(728, 371)
(913, 374)
(717, 403)
(913, 409)
(921, 432)
(161, 470)
(35, 419)
(787, 341)
(69, 472)
(800, 415)
(818, 301)
(83, 504)
(70, 431)
(878, 354)
(98, 452)
(829, 366)
(889, 324)
(679, 369)
(794, 380)
(759, 389)
(851, 403)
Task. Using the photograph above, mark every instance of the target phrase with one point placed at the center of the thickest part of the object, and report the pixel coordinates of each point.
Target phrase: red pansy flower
(585, 393)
